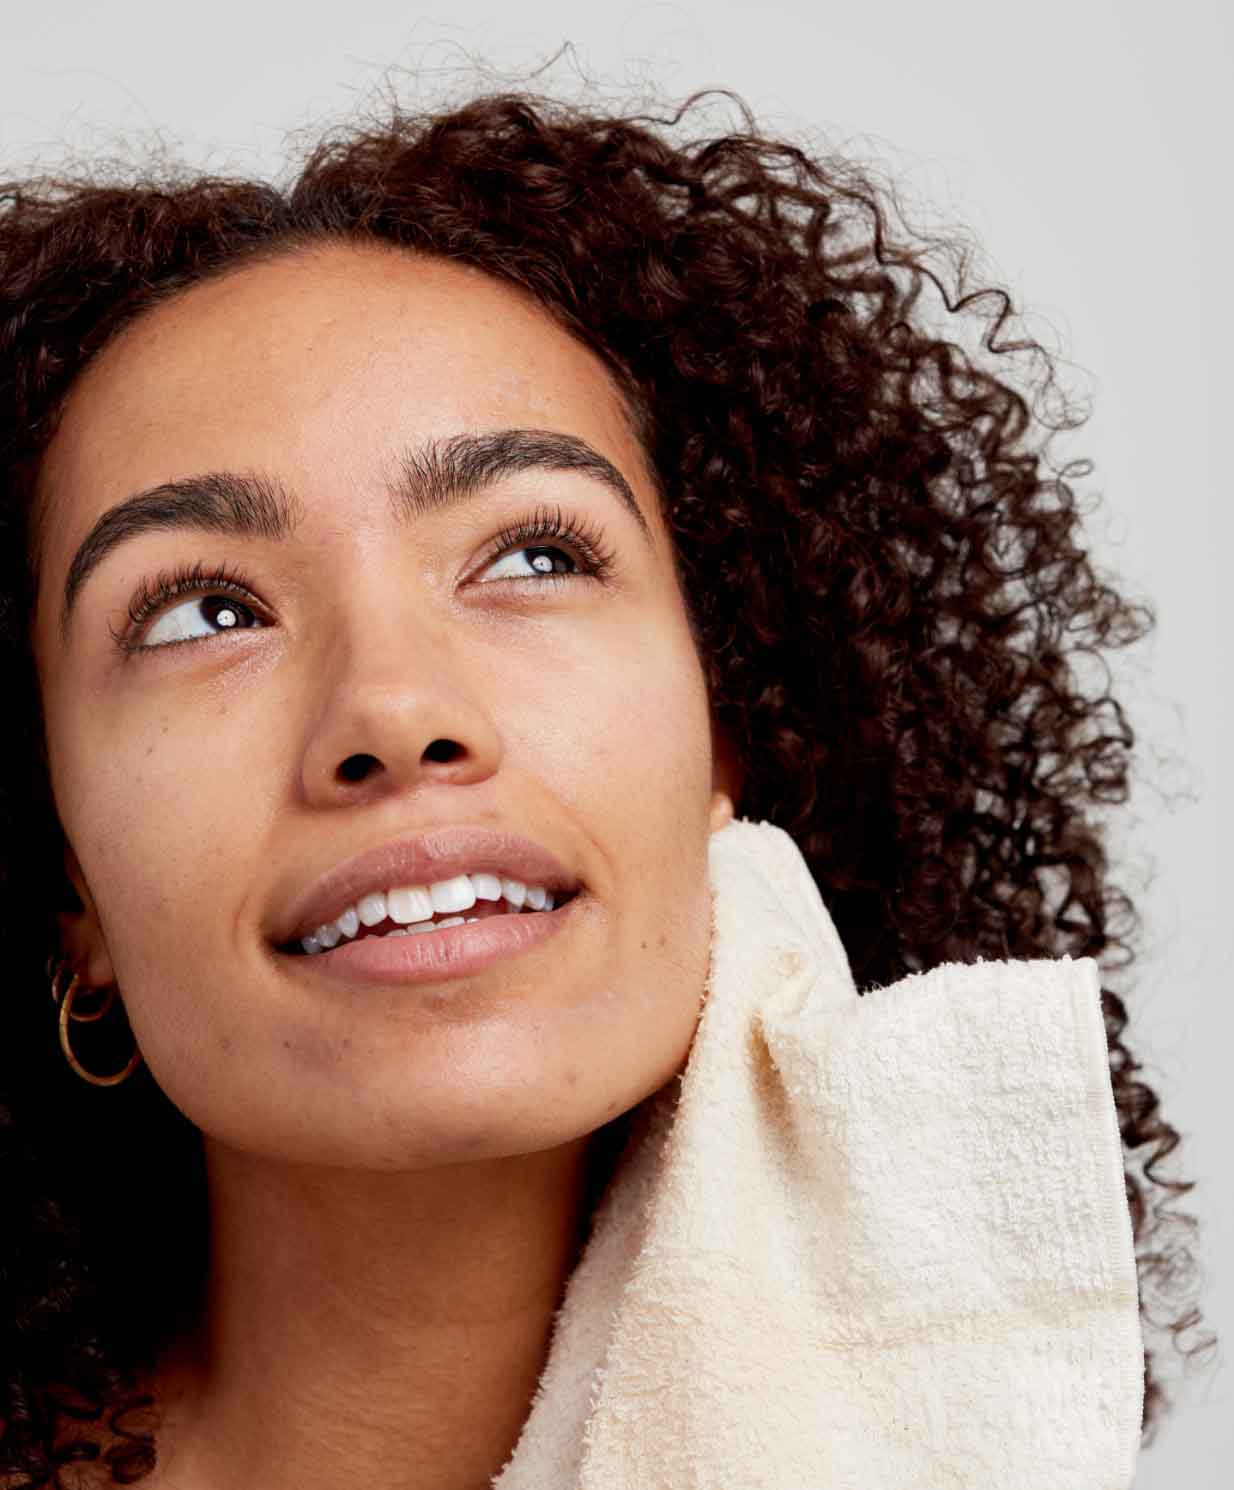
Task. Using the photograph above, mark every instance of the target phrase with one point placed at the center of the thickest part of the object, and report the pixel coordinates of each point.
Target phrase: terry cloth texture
(875, 1242)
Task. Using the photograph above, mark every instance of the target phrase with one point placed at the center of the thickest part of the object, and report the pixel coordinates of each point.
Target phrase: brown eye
(542, 563)
(550, 531)
(224, 593)
(222, 611)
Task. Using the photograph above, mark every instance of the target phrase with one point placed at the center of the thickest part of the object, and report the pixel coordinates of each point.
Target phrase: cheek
(636, 712)
(155, 811)
(165, 829)
(645, 769)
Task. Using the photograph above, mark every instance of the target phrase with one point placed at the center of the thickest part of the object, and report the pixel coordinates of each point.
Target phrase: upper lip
(435, 854)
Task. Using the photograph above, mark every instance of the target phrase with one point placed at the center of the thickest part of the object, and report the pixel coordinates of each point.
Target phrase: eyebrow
(436, 475)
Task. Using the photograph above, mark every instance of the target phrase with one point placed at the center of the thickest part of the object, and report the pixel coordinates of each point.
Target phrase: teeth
(428, 926)
(409, 904)
(486, 886)
(413, 906)
(453, 895)
(372, 908)
(431, 926)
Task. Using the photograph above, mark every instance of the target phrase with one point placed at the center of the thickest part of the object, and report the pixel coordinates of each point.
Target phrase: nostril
(357, 767)
(442, 750)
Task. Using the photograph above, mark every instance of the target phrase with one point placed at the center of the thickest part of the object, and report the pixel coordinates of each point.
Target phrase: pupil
(228, 614)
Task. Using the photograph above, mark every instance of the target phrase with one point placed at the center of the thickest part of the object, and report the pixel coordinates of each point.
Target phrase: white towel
(860, 1243)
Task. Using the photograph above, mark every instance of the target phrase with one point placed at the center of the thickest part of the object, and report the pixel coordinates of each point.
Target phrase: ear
(727, 778)
(81, 933)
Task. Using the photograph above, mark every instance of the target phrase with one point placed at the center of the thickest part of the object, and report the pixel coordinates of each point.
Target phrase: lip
(435, 854)
(439, 956)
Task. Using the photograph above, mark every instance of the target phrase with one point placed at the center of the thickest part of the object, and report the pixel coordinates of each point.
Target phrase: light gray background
(1086, 146)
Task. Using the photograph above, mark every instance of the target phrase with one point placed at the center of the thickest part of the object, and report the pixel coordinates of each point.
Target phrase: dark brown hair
(885, 578)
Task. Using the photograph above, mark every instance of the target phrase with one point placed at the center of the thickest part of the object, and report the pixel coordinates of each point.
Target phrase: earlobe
(721, 810)
(726, 779)
(81, 934)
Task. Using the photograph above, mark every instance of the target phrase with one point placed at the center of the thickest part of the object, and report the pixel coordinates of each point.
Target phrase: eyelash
(585, 539)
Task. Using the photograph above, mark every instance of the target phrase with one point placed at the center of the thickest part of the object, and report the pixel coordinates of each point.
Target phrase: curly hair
(884, 577)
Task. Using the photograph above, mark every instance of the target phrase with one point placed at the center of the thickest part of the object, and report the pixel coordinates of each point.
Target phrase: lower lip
(437, 956)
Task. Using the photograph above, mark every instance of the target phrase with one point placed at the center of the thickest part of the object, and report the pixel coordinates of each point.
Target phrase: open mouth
(482, 910)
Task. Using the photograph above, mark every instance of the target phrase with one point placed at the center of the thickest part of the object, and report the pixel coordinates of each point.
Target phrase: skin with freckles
(395, 1172)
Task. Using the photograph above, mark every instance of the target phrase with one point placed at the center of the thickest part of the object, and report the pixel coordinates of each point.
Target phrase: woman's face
(395, 671)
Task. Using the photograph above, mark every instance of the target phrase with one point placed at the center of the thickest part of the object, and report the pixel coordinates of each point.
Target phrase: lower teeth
(430, 926)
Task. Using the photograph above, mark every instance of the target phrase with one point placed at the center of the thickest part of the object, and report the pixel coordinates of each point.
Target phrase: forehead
(318, 364)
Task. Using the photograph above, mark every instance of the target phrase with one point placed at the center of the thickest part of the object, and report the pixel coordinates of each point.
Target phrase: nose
(396, 706)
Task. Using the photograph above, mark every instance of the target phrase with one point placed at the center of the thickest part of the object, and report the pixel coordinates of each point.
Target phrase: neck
(366, 1327)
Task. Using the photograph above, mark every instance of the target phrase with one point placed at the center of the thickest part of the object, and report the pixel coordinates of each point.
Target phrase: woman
(475, 526)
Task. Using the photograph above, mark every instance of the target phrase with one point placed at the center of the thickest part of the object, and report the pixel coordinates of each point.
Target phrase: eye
(223, 592)
(541, 565)
(548, 532)
(224, 611)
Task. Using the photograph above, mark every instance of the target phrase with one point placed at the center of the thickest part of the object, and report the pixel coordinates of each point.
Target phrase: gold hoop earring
(67, 1012)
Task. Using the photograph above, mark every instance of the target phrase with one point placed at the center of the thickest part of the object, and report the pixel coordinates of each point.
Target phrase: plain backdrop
(1085, 149)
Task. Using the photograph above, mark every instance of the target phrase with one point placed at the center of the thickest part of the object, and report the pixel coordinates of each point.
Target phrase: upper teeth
(410, 903)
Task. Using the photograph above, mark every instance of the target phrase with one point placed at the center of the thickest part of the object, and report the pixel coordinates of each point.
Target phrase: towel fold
(860, 1243)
